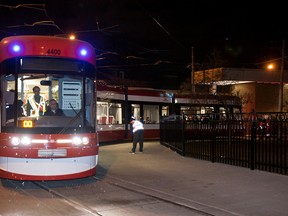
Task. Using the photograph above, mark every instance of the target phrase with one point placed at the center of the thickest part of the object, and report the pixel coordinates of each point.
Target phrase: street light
(270, 67)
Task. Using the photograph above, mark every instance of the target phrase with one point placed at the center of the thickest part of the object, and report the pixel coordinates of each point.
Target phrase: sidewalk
(215, 188)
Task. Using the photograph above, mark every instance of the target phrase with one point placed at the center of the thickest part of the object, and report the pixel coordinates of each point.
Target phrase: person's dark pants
(138, 136)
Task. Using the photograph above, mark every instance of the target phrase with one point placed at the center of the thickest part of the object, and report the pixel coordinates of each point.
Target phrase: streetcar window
(109, 113)
(115, 113)
(151, 114)
(165, 111)
(68, 91)
(135, 109)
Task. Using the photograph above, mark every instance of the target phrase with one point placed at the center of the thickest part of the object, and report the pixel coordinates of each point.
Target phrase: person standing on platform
(138, 135)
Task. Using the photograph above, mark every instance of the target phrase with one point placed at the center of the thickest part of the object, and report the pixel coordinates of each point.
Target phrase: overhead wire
(159, 24)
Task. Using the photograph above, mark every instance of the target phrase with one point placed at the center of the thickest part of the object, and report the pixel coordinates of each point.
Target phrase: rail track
(91, 196)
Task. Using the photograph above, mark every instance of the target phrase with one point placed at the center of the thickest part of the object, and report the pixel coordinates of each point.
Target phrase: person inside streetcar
(36, 103)
(53, 109)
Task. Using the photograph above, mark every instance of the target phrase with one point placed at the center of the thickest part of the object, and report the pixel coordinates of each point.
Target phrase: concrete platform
(214, 188)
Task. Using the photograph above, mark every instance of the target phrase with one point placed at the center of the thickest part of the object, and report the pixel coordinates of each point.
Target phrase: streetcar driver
(53, 109)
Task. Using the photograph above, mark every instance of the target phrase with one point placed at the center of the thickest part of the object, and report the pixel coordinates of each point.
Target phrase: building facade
(258, 89)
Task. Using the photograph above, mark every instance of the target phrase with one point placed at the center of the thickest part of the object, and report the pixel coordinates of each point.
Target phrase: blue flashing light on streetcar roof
(16, 48)
(83, 52)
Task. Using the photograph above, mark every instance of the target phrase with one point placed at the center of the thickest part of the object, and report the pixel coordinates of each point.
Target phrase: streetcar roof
(47, 46)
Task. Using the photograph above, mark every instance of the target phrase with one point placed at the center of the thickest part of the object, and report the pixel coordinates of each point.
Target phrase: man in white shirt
(36, 103)
(138, 135)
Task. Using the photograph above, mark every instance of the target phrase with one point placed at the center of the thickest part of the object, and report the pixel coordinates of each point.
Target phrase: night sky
(151, 40)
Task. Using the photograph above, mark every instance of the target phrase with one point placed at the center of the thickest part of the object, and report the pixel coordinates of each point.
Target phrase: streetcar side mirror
(45, 82)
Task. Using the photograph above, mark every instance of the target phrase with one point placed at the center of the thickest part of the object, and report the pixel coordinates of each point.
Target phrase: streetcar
(117, 104)
(34, 146)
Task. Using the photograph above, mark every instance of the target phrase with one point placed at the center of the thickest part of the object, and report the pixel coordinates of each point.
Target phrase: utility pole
(192, 71)
(282, 78)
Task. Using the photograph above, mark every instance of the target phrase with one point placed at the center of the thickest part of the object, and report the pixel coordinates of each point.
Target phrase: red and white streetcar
(116, 105)
(38, 147)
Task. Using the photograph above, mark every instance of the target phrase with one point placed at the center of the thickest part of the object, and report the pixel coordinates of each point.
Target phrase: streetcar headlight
(15, 140)
(85, 140)
(80, 141)
(26, 141)
(23, 141)
(76, 141)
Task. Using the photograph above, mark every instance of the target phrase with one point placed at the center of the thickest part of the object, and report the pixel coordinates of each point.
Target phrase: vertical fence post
(252, 144)
(213, 142)
(183, 137)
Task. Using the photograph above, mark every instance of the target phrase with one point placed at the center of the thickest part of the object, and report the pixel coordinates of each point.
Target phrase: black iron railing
(256, 143)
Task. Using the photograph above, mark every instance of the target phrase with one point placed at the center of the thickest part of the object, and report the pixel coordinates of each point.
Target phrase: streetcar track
(67, 200)
(128, 186)
(21, 186)
(157, 197)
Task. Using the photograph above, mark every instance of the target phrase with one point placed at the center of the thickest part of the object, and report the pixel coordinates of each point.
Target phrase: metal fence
(256, 142)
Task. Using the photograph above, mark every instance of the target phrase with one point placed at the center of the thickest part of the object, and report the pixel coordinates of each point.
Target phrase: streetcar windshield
(43, 100)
